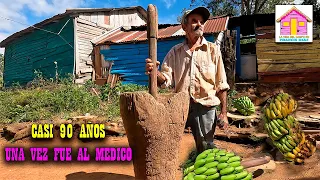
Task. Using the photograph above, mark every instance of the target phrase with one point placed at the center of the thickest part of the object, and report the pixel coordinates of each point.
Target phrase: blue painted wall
(129, 59)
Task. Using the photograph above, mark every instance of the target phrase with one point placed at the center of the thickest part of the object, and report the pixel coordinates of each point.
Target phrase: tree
(179, 18)
(1, 65)
(219, 7)
(270, 6)
(316, 10)
(237, 7)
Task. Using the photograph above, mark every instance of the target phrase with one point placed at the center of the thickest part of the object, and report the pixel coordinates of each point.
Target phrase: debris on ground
(17, 131)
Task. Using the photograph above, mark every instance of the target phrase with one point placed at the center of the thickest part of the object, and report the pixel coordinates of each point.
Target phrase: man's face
(195, 25)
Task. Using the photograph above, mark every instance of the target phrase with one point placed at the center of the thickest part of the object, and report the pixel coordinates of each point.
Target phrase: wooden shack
(286, 62)
(62, 44)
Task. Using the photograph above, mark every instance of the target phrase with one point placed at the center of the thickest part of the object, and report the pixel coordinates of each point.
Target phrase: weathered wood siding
(115, 18)
(91, 25)
(287, 62)
(129, 59)
(38, 51)
(86, 31)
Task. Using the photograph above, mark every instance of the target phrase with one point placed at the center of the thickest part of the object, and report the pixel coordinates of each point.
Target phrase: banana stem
(255, 162)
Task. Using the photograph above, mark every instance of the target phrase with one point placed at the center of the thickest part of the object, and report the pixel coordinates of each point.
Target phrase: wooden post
(228, 54)
(152, 38)
(97, 62)
(232, 49)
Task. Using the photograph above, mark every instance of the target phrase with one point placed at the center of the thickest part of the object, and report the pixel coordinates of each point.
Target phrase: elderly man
(195, 66)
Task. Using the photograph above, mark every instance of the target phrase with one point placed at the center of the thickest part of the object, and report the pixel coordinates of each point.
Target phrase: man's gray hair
(184, 20)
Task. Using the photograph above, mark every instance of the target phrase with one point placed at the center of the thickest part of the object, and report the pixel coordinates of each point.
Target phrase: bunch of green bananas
(285, 130)
(244, 105)
(216, 164)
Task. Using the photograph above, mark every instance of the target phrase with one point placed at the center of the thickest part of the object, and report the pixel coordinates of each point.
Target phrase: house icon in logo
(293, 22)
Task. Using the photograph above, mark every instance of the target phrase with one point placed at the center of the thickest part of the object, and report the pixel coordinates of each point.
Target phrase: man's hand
(223, 124)
(149, 66)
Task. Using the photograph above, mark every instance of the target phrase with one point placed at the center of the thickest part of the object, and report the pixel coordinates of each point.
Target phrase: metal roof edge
(68, 12)
(140, 9)
(103, 36)
(30, 29)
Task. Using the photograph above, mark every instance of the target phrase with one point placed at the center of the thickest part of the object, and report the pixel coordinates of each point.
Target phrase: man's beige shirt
(201, 73)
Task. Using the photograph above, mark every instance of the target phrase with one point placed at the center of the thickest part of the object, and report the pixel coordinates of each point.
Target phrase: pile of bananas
(280, 106)
(216, 164)
(244, 105)
(285, 130)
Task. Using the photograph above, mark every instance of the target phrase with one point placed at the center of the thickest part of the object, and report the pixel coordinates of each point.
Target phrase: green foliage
(47, 98)
(109, 93)
(1, 83)
(1, 65)
(247, 41)
(1, 70)
(35, 104)
(230, 99)
(234, 7)
(316, 9)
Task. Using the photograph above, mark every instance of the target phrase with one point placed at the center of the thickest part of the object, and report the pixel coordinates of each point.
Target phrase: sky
(24, 13)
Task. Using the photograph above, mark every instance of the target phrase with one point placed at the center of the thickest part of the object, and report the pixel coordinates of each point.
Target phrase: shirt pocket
(208, 71)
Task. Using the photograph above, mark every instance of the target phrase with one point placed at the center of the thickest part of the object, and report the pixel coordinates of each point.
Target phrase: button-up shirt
(200, 73)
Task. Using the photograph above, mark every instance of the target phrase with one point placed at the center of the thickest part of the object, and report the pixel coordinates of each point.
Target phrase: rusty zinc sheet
(136, 34)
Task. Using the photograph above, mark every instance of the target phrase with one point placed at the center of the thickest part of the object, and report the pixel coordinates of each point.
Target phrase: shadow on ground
(97, 176)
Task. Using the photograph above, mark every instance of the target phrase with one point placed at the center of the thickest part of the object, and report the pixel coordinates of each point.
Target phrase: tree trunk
(229, 56)
(154, 129)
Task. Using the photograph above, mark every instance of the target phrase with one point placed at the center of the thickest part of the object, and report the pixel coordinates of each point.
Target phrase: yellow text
(92, 131)
(42, 131)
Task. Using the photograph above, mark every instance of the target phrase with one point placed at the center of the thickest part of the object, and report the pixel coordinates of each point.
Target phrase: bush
(36, 104)
(1, 83)
(49, 98)
(113, 94)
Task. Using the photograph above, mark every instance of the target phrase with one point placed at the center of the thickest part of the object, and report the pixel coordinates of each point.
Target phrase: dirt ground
(124, 170)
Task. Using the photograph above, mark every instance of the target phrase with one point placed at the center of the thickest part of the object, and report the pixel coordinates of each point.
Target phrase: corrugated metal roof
(135, 34)
(68, 12)
(216, 25)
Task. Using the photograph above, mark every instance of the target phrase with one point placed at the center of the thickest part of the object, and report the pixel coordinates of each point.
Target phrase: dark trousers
(203, 121)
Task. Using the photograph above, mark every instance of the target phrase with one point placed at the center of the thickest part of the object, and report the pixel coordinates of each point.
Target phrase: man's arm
(160, 78)
(222, 88)
(222, 95)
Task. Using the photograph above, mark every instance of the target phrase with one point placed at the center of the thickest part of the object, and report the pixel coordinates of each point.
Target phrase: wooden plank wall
(287, 62)
(115, 18)
(91, 25)
(38, 51)
(86, 31)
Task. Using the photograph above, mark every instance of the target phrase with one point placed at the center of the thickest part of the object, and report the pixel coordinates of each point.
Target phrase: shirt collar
(204, 42)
